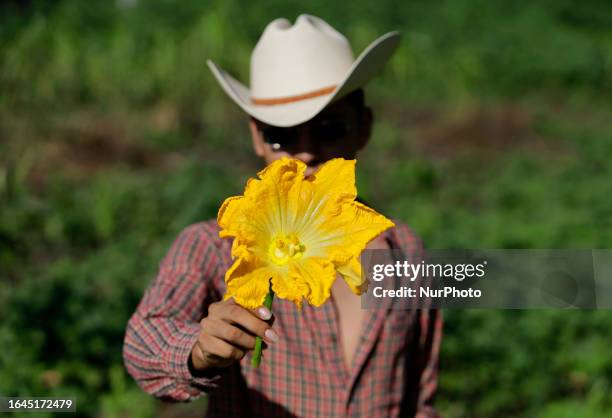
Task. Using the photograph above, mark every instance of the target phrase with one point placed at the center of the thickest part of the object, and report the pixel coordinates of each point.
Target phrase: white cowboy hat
(296, 71)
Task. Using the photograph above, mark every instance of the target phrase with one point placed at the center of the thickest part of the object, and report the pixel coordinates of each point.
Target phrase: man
(305, 102)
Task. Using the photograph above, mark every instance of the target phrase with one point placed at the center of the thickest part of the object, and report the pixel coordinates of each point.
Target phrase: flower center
(284, 248)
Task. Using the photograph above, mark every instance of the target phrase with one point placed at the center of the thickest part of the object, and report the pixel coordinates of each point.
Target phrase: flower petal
(236, 219)
(317, 276)
(270, 195)
(336, 178)
(289, 287)
(248, 282)
(351, 272)
(321, 195)
(229, 213)
(349, 231)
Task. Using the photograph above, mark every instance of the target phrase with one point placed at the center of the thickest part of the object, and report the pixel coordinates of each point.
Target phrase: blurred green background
(493, 130)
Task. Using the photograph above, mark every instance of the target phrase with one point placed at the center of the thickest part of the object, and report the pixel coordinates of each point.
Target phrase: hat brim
(369, 63)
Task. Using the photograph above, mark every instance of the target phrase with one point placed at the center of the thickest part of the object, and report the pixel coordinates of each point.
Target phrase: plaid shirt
(393, 374)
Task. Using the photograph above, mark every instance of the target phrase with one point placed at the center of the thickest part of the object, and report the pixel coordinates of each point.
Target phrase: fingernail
(271, 335)
(264, 313)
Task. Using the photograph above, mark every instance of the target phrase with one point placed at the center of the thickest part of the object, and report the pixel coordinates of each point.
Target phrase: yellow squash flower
(297, 232)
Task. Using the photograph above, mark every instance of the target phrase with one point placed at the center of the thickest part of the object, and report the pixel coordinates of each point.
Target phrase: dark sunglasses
(324, 131)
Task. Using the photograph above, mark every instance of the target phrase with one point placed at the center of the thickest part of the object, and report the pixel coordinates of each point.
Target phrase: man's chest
(351, 315)
(350, 319)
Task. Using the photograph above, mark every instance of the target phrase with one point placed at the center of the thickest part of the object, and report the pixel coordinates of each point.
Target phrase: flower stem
(256, 360)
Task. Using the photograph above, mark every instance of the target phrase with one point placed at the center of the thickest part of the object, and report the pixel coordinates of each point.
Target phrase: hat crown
(300, 59)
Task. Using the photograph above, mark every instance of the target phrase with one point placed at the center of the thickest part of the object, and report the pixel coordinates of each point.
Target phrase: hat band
(290, 99)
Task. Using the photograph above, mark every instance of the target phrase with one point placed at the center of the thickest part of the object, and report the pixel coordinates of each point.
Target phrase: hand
(228, 332)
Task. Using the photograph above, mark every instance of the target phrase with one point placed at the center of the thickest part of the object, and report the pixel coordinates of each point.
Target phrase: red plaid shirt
(394, 372)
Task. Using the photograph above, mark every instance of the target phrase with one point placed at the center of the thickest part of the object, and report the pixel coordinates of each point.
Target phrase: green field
(493, 130)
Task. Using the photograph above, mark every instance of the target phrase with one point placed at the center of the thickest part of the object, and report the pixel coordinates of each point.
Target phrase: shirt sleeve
(162, 332)
(429, 347)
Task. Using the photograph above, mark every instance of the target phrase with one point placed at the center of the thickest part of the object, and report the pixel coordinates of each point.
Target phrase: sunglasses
(325, 131)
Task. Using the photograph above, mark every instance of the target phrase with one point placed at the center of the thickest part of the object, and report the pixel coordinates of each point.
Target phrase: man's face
(339, 131)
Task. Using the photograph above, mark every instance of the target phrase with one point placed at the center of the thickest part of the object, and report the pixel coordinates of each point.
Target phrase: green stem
(256, 360)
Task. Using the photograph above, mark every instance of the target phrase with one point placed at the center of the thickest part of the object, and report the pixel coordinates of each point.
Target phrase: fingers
(250, 321)
(263, 312)
(228, 332)
(218, 352)
(201, 359)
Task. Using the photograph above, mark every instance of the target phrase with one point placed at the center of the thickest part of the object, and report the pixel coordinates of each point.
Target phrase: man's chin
(310, 171)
